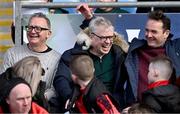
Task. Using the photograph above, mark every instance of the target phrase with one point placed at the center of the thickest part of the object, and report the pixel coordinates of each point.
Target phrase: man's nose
(148, 34)
(25, 101)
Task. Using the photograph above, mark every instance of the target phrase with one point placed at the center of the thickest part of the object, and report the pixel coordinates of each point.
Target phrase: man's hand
(85, 10)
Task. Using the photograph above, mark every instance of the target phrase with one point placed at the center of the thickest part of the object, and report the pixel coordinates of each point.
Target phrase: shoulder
(36, 109)
(17, 48)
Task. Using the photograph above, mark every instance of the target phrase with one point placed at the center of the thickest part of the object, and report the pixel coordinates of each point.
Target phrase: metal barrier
(22, 4)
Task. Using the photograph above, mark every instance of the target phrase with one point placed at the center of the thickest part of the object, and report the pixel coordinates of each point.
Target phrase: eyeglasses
(36, 28)
(104, 38)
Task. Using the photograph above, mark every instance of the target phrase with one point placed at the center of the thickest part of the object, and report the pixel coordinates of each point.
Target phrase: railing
(19, 5)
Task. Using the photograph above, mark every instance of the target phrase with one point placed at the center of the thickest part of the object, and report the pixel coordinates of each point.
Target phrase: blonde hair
(30, 69)
(164, 65)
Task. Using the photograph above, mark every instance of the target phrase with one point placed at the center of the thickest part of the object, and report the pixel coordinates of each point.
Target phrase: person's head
(160, 68)
(82, 68)
(17, 96)
(101, 34)
(157, 29)
(30, 69)
(106, 9)
(139, 108)
(38, 29)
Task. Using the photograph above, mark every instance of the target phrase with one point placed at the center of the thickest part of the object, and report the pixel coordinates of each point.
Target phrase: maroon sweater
(145, 54)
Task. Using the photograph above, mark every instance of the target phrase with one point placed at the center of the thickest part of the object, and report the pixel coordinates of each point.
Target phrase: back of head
(100, 22)
(30, 69)
(164, 65)
(158, 15)
(82, 66)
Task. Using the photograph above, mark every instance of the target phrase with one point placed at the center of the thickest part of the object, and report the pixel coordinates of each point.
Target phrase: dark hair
(158, 15)
(140, 108)
(41, 15)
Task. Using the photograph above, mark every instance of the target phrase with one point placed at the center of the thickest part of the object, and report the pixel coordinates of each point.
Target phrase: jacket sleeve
(106, 105)
(85, 23)
(62, 81)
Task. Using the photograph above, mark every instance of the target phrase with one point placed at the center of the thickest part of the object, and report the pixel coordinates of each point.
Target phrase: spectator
(89, 92)
(85, 8)
(30, 69)
(31, 11)
(158, 42)
(108, 60)
(86, 11)
(109, 9)
(16, 96)
(129, 9)
(162, 96)
(164, 9)
(38, 31)
(64, 10)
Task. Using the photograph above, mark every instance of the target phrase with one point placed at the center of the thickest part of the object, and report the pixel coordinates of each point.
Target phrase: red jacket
(35, 109)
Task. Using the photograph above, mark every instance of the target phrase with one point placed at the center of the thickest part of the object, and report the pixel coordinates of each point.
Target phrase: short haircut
(140, 108)
(158, 15)
(98, 22)
(40, 15)
(30, 69)
(164, 65)
(82, 66)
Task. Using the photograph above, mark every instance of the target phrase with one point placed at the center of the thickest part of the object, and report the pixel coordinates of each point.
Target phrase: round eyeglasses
(36, 28)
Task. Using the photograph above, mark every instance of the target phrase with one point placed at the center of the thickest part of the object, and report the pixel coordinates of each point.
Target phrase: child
(90, 95)
(162, 96)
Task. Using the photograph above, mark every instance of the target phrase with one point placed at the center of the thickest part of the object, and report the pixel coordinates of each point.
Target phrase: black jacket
(94, 91)
(163, 99)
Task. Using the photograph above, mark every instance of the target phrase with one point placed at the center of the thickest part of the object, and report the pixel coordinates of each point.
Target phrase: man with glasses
(38, 31)
(108, 60)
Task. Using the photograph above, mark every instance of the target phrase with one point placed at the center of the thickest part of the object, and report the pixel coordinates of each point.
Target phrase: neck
(95, 53)
(40, 48)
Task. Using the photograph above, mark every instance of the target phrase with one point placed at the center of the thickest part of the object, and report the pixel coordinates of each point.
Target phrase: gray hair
(99, 21)
(29, 68)
(40, 15)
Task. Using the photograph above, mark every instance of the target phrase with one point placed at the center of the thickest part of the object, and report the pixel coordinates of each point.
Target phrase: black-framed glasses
(104, 38)
(36, 28)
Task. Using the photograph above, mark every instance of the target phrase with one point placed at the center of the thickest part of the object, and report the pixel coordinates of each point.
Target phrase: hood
(83, 38)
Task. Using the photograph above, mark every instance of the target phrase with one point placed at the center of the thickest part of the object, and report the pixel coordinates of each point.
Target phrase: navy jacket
(172, 49)
(64, 85)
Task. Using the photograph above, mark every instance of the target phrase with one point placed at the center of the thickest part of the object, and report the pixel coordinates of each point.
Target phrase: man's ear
(49, 34)
(156, 72)
(167, 32)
